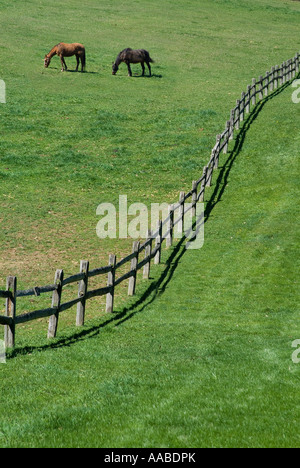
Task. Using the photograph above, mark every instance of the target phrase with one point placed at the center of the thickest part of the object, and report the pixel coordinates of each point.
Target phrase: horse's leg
(148, 64)
(129, 69)
(63, 63)
(77, 58)
(143, 67)
(82, 58)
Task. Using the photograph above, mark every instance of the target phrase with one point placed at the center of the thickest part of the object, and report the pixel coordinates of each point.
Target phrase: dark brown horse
(67, 50)
(129, 56)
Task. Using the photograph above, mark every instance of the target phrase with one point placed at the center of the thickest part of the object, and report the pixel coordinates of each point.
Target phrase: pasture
(201, 356)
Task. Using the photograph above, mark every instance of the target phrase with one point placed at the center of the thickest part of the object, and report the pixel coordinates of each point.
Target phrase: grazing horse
(66, 50)
(129, 56)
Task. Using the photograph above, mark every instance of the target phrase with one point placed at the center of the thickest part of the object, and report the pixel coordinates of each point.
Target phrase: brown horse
(66, 50)
(129, 56)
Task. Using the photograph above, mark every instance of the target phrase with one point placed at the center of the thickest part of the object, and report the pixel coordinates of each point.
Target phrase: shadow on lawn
(159, 285)
(224, 171)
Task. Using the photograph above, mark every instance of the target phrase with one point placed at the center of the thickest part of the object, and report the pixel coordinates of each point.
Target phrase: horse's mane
(128, 49)
(54, 47)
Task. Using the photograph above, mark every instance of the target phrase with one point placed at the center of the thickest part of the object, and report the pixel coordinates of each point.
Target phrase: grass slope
(202, 355)
(71, 141)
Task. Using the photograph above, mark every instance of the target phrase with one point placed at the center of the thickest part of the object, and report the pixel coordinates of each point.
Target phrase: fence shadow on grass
(224, 171)
(158, 286)
(155, 288)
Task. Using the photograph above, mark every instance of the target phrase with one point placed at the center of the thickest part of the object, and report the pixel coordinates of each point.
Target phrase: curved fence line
(258, 90)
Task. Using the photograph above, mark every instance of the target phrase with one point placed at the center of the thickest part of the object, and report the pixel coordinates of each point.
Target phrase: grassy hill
(201, 356)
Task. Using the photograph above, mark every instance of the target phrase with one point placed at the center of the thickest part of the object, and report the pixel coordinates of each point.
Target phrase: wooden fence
(151, 248)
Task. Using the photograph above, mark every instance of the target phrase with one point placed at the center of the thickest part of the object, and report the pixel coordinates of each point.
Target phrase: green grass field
(202, 355)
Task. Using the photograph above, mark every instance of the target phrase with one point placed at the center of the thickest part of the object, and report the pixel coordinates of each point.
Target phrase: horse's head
(115, 68)
(46, 61)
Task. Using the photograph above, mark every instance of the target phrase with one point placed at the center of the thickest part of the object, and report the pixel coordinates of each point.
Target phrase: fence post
(272, 79)
(56, 298)
(254, 94)
(283, 73)
(180, 224)
(280, 76)
(194, 197)
(260, 94)
(10, 311)
(217, 153)
(225, 149)
(209, 175)
(242, 107)
(111, 282)
(203, 184)
(231, 124)
(267, 83)
(169, 239)
(158, 243)
(82, 290)
(289, 70)
(294, 66)
(237, 124)
(248, 99)
(134, 262)
(276, 77)
(146, 269)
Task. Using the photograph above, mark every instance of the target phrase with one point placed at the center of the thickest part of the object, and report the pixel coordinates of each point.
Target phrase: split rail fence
(152, 247)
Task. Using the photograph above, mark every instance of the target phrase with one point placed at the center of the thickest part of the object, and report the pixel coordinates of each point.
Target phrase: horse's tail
(148, 57)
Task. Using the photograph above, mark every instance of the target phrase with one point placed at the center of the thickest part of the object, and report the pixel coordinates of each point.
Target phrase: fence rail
(258, 90)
